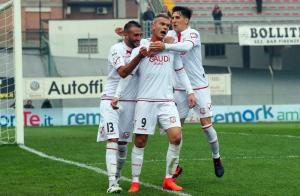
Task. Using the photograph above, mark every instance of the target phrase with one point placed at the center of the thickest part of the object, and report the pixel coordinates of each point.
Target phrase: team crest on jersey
(193, 35)
(202, 111)
(159, 59)
(173, 119)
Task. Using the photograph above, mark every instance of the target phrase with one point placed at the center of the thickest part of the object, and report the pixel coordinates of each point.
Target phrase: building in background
(37, 13)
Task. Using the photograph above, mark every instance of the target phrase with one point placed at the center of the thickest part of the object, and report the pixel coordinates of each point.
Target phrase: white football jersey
(192, 60)
(118, 56)
(156, 75)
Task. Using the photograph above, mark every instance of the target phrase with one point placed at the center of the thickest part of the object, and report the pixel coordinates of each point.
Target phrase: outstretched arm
(178, 47)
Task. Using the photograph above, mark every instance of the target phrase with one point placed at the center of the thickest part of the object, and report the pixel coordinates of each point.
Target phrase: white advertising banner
(263, 35)
(220, 84)
(64, 88)
(91, 116)
(92, 87)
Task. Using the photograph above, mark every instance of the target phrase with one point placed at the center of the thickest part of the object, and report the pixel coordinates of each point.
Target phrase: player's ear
(186, 20)
(125, 33)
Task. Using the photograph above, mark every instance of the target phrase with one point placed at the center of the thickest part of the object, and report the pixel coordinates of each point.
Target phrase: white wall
(63, 36)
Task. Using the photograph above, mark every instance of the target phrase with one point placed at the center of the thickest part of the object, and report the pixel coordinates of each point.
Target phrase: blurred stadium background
(65, 46)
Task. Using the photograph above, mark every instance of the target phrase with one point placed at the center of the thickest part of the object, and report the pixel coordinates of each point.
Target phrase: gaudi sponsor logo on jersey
(159, 59)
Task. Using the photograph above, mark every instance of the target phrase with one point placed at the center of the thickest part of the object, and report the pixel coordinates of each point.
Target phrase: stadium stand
(244, 10)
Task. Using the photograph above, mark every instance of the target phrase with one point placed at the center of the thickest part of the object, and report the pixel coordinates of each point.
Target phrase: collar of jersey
(185, 31)
(127, 47)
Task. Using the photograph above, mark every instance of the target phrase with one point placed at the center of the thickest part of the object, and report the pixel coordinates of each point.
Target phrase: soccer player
(116, 126)
(155, 102)
(189, 45)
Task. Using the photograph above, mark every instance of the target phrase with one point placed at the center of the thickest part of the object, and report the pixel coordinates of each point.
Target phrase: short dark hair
(130, 24)
(162, 15)
(185, 11)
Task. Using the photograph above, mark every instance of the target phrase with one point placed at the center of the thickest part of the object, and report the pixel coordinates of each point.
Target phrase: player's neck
(128, 43)
(155, 38)
(183, 29)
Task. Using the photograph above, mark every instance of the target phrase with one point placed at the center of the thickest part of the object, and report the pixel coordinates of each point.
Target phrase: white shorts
(148, 113)
(116, 123)
(203, 107)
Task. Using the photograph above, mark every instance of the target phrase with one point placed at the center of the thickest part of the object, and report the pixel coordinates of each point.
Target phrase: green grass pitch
(259, 159)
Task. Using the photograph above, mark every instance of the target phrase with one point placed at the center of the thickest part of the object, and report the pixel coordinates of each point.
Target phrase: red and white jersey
(192, 59)
(156, 75)
(118, 56)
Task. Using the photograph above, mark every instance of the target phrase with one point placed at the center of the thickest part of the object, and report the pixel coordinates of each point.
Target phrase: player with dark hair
(187, 42)
(116, 126)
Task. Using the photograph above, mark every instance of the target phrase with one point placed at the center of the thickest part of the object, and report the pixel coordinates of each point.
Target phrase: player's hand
(169, 40)
(155, 48)
(158, 45)
(152, 52)
(114, 103)
(143, 52)
(119, 31)
(191, 100)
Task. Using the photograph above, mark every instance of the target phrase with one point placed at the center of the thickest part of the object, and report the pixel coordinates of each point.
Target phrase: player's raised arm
(178, 47)
(124, 71)
(119, 31)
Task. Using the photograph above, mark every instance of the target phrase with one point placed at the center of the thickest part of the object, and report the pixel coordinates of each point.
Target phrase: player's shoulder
(117, 47)
(192, 31)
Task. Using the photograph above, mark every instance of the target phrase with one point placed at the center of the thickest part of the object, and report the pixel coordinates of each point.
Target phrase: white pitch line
(223, 158)
(95, 169)
(272, 135)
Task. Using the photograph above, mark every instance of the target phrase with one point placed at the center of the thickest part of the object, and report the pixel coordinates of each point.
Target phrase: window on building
(88, 46)
(214, 50)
